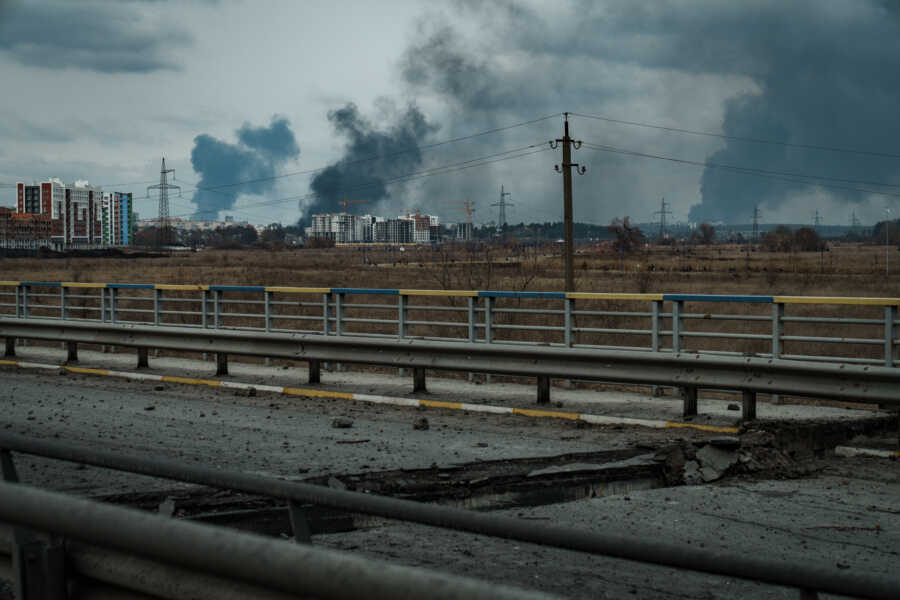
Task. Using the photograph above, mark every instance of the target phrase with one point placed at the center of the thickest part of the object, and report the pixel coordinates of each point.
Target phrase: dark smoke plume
(355, 175)
(257, 155)
(776, 74)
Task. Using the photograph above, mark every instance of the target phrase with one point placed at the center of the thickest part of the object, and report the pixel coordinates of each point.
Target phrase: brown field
(845, 270)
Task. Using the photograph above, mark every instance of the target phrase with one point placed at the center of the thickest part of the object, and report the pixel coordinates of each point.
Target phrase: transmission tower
(854, 221)
(816, 220)
(662, 212)
(501, 219)
(469, 207)
(164, 227)
(756, 223)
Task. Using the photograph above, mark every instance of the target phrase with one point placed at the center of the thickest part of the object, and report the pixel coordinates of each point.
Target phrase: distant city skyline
(231, 93)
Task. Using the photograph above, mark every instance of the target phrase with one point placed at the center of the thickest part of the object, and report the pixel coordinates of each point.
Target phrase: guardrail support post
(401, 316)
(419, 379)
(25, 301)
(339, 314)
(543, 389)
(217, 299)
(71, 351)
(62, 302)
(473, 331)
(299, 524)
(221, 363)
(38, 567)
(890, 334)
(18, 303)
(204, 299)
(748, 406)
(689, 394)
(143, 360)
(677, 325)
(655, 324)
(488, 319)
(569, 305)
(10, 347)
(326, 314)
(112, 304)
(157, 298)
(777, 332)
(267, 308)
(315, 371)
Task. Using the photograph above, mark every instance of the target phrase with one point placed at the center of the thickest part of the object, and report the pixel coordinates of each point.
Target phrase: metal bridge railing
(830, 329)
(233, 553)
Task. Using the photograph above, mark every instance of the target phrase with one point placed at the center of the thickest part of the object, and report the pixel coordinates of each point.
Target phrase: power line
(739, 138)
(384, 156)
(442, 170)
(775, 175)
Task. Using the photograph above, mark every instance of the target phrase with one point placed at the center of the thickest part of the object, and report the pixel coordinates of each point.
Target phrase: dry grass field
(845, 270)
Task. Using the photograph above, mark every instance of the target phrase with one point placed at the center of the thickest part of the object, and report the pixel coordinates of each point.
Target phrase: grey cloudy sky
(234, 90)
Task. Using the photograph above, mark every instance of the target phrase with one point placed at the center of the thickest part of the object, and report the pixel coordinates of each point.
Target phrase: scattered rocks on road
(421, 424)
(342, 423)
(158, 388)
(151, 407)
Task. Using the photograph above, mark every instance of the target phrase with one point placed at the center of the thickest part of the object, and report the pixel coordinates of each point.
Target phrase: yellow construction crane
(346, 202)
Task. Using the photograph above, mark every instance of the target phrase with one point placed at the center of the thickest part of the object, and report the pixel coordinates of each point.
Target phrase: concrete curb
(411, 402)
(850, 451)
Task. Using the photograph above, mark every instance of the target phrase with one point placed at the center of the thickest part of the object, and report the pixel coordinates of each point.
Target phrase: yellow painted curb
(191, 381)
(530, 412)
(713, 428)
(440, 404)
(85, 370)
(836, 300)
(317, 393)
(11, 363)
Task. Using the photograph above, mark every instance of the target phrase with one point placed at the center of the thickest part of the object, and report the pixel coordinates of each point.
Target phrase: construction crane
(347, 203)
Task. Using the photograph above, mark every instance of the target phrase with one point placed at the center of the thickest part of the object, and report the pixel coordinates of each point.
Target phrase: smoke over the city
(763, 70)
(372, 157)
(254, 159)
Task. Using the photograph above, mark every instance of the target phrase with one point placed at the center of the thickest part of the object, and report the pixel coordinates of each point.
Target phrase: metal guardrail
(826, 329)
(79, 520)
(850, 383)
(242, 565)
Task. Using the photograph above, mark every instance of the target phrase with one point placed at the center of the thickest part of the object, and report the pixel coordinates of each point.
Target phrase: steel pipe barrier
(849, 383)
(808, 578)
(830, 329)
(269, 564)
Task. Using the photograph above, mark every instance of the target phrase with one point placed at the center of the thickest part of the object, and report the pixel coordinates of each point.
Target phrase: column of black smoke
(372, 157)
(254, 159)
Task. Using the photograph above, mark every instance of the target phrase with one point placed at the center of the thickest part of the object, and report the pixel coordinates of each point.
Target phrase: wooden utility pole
(566, 170)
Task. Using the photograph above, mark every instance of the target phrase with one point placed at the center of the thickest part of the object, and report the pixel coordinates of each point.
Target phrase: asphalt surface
(845, 514)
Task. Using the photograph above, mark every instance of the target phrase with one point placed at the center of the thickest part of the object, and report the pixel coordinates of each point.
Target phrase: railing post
(488, 319)
(777, 332)
(568, 322)
(543, 389)
(221, 363)
(157, 300)
(10, 346)
(689, 395)
(655, 324)
(473, 330)
(103, 304)
(217, 300)
(677, 325)
(204, 298)
(326, 313)
(748, 406)
(112, 304)
(18, 306)
(267, 309)
(315, 371)
(419, 379)
(339, 314)
(24, 301)
(62, 302)
(401, 316)
(890, 334)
